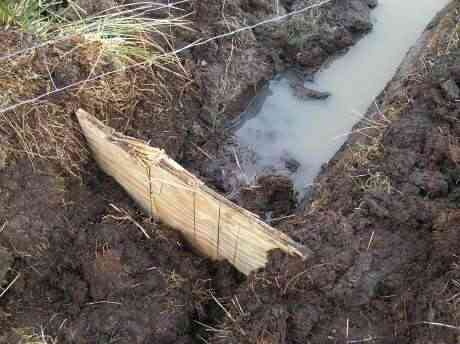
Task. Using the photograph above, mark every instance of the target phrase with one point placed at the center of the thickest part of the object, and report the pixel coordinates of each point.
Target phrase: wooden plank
(212, 224)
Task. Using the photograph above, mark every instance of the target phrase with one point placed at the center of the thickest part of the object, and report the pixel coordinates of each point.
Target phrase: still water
(282, 126)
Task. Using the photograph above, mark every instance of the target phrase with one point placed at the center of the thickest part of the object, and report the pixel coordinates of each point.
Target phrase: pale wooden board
(212, 224)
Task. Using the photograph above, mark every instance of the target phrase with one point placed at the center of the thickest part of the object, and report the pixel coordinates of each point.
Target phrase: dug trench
(385, 244)
(382, 223)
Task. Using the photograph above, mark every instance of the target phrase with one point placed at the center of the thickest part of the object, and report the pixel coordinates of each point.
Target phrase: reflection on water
(282, 127)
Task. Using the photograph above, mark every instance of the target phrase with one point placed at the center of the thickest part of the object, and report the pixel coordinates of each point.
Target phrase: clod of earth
(271, 194)
(372, 3)
(305, 93)
(290, 163)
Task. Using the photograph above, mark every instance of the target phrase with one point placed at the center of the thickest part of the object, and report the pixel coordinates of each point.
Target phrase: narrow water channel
(281, 126)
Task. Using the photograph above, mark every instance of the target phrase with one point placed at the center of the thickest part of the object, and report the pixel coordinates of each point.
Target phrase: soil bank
(382, 223)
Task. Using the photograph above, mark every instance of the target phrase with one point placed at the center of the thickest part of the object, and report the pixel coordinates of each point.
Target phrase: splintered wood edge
(89, 123)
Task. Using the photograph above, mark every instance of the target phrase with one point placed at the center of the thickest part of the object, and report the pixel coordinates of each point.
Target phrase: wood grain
(212, 224)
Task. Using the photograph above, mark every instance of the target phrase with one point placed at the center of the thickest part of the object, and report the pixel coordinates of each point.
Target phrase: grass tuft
(126, 33)
(127, 37)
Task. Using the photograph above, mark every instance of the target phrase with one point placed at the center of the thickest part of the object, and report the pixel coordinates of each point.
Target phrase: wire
(145, 7)
(175, 52)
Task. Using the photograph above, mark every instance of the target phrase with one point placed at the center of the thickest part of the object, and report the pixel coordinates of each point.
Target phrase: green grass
(27, 14)
(5, 13)
(124, 34)
(127, 37)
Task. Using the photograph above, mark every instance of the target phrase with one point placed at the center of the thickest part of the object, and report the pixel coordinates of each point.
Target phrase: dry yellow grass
(70, 53)
(47, 130)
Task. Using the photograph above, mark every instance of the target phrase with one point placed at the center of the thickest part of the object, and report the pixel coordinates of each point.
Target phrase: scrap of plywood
(212, 224)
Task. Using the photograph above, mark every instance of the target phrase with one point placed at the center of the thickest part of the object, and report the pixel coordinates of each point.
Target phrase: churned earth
(382, 223)
(85, 266)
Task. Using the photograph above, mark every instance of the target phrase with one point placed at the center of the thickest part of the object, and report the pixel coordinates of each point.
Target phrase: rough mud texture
(229, 71)
(87, 272)
(271, 196)
(330, 29)
(84, 272)
(79, 269)
(6, 260)
(382, 223)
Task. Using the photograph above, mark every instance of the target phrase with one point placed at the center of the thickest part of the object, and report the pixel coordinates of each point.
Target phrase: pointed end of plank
(301, 251)
(94, 130)
(89, 124)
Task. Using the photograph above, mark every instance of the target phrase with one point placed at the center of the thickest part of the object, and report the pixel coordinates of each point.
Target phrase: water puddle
(282, 129)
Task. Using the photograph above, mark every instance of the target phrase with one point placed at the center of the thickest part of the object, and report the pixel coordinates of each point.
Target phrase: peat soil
(382, 222)
(79, 263)
(87, 272)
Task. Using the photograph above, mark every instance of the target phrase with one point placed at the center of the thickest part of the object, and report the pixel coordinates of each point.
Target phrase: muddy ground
(382, 223)
(385, 245)
(88, 274)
